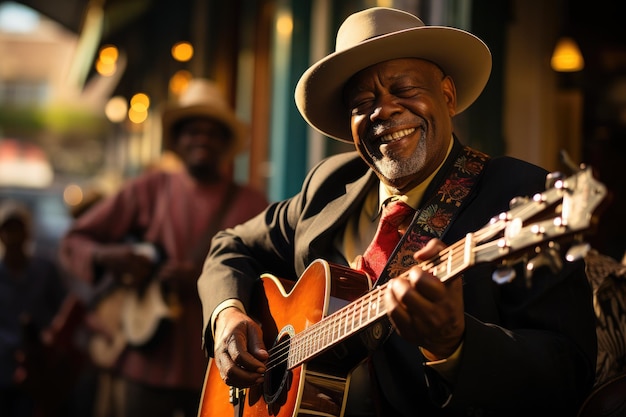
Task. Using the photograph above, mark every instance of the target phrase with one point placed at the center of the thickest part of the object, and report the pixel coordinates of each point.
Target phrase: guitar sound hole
(277, 380)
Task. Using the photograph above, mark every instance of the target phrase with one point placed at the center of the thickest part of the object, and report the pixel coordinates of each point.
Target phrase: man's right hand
(239, 353)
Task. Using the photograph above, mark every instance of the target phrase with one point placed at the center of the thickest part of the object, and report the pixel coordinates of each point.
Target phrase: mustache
(377, 129)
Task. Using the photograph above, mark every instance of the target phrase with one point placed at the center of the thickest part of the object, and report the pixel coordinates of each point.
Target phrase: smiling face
(202, 144)
(401, 119)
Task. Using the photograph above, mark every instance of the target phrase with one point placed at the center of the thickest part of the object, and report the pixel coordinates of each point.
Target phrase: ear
(449, 93)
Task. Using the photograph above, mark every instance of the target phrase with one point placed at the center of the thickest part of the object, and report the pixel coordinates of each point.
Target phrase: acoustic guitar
(127, 315)
(324, 326)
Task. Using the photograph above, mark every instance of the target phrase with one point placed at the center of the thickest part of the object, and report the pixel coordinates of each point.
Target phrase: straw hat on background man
(203, 98)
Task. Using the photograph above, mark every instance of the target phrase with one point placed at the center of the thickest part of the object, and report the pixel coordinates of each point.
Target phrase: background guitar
(128, 314)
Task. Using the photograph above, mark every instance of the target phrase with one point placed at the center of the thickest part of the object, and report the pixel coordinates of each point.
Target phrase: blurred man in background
(151, 239)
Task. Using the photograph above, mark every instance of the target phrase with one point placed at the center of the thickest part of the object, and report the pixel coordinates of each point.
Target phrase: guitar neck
(368, 309)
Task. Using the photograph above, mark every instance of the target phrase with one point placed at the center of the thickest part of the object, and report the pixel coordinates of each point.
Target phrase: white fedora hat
(203, 98)
(379, 34)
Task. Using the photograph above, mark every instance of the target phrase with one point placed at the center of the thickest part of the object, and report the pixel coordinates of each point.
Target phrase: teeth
(397, 135)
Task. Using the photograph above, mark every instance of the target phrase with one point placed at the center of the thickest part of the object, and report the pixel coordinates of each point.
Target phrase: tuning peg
(577, 252)
(553, 178)
(503, 275)
(545, 257)
(518, 201)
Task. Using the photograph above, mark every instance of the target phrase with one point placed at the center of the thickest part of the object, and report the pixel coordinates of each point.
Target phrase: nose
(386, 106)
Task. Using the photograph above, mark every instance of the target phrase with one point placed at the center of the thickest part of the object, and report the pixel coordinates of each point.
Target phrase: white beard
(394, 168)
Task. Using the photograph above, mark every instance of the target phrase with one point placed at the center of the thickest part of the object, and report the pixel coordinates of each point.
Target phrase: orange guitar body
(317, 387)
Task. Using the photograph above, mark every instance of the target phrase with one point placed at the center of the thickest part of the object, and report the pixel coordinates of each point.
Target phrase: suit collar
(335, 214)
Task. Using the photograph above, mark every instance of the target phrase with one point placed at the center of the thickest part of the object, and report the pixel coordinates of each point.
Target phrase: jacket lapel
(322, 230)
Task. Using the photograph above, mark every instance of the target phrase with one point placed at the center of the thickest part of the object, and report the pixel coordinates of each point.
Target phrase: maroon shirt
(173, 211)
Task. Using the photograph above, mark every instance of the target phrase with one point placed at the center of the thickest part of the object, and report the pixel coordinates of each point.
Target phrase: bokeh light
(182, 51)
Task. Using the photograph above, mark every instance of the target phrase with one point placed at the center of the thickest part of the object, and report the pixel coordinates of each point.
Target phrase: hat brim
(173, 115)
(461, 55)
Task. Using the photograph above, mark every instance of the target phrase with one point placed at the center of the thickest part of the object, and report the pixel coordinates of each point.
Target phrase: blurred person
(466, 345)
(151, 238)
(32, 291)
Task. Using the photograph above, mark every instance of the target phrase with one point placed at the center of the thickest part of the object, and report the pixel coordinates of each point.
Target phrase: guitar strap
(437, 214)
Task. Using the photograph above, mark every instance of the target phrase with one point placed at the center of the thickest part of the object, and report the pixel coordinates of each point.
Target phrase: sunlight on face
(401, 114)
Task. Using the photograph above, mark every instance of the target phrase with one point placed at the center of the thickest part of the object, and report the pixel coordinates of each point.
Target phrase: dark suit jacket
(526, 349)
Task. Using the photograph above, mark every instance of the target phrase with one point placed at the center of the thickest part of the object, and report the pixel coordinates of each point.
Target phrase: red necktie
(386, 238)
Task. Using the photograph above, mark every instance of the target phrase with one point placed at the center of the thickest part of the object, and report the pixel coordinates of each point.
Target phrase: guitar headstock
(534, 227)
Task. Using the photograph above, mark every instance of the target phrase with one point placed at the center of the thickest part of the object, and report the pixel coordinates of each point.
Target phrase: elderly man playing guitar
(442, 332)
